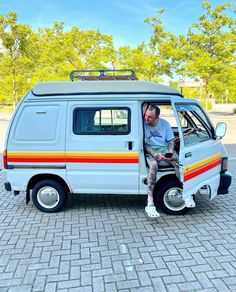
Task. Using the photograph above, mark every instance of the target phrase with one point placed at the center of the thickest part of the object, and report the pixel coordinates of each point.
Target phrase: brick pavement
(106, 243)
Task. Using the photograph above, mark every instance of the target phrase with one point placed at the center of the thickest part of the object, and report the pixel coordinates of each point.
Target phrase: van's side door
(102, 150)
(200, 151)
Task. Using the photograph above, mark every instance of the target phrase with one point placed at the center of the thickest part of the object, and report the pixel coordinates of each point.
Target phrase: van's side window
(101, 121)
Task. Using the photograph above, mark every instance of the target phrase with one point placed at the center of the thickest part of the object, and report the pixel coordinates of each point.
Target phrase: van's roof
(60, 88)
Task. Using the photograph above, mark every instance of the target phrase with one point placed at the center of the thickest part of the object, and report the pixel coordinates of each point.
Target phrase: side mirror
(220, 129)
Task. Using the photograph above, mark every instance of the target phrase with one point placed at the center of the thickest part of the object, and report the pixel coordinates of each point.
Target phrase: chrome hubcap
(173, 199)
(48, 197)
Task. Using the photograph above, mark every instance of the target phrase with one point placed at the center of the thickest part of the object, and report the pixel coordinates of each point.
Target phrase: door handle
(189, 154)
(130, 145)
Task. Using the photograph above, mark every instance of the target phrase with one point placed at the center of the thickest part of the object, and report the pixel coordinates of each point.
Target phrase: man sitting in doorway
(159, 140)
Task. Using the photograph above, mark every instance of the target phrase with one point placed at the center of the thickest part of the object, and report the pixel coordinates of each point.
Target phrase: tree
(163, 46)
(27, 57)
(151, 61)
(208, 50)
(140, 59)
(16, 58)
(61, 52)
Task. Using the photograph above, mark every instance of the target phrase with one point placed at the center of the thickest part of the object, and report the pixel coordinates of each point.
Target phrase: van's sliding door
(102, 147)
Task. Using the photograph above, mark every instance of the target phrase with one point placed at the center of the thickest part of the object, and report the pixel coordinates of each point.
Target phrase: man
(159, 140)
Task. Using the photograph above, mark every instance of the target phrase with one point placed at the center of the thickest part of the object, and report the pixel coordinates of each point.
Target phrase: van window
(101, 121)
(194, 124)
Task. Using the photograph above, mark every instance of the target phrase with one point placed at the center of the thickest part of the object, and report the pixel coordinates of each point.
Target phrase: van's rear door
(102, 153)
(200, 154)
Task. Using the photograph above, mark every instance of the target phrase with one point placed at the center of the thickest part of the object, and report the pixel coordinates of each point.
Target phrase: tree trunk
(14, 93)
(207, 91)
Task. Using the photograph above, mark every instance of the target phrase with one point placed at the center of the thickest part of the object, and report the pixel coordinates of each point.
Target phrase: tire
(168, 197)
(49, 196)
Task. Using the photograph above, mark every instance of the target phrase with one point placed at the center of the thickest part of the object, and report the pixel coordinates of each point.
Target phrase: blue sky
(123, 19)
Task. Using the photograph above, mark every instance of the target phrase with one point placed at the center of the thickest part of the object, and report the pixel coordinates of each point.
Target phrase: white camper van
(87, 137)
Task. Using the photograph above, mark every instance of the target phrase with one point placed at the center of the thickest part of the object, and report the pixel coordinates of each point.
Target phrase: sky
(122, 19)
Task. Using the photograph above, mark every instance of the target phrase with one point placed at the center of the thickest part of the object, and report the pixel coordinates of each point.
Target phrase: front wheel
(168, 197)
(49, 196)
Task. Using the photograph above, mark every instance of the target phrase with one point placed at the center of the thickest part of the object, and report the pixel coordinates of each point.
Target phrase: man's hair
(155, 108)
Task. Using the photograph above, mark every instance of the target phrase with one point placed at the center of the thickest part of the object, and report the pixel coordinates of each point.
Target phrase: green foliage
(140, 59)
(50, 54)
(208, 49)
(16, 58)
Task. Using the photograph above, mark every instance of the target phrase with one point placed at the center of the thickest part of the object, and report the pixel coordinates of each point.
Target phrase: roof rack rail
(103, 75)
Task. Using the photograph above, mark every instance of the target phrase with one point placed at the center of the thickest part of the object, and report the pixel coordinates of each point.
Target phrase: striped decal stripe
(73, 157)
(201, 167)
(36, 156)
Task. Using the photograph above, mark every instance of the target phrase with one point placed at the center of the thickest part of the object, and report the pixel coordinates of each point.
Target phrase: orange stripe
(191, 175)
(202, 162)
(102, 160)
(192, 170)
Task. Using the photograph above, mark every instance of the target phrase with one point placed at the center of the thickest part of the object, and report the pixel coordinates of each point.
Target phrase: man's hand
(159, 157)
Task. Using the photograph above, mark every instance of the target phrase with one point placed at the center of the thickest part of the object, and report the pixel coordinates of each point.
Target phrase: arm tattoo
(171, 146)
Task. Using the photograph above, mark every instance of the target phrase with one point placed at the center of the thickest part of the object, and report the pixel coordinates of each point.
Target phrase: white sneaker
(151, 211)
(189, 202)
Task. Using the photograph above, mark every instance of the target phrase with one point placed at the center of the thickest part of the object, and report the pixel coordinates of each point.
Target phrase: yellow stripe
(197, 165)
(35, 154)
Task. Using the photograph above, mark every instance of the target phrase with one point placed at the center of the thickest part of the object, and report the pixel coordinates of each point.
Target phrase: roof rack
(103, 75)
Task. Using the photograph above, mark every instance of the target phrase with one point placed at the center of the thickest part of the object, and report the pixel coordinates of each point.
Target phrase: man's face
(150, 118)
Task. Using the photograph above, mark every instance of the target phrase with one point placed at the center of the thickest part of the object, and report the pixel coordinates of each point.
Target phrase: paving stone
(144, 278)
(204, 280)
(128, 284)
(188, 274)
(39, 283)
(69, 284)
(173, 279)
(189, 286)
(51, 287)
(111, 287)
(220, 285)
(22, 288)
(98, 284)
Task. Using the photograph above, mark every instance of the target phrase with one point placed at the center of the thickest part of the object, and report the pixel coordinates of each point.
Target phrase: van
(87, 137)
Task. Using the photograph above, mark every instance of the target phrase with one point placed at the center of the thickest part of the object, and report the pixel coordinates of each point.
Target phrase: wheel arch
(166, 182)
(164, 179)
(38, 177)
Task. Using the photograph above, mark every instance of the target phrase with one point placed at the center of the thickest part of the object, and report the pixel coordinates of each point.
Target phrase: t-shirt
(159, 135)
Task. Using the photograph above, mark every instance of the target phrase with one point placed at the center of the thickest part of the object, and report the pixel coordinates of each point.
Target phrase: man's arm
(170, 146)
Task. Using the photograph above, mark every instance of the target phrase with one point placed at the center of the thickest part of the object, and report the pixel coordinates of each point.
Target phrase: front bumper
(225, 182)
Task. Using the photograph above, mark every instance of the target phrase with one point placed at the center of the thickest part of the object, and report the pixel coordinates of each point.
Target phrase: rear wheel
(49, 196)
(168, 197)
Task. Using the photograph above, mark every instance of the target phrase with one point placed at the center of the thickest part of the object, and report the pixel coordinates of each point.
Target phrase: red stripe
(193, 174)
(36, 159)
